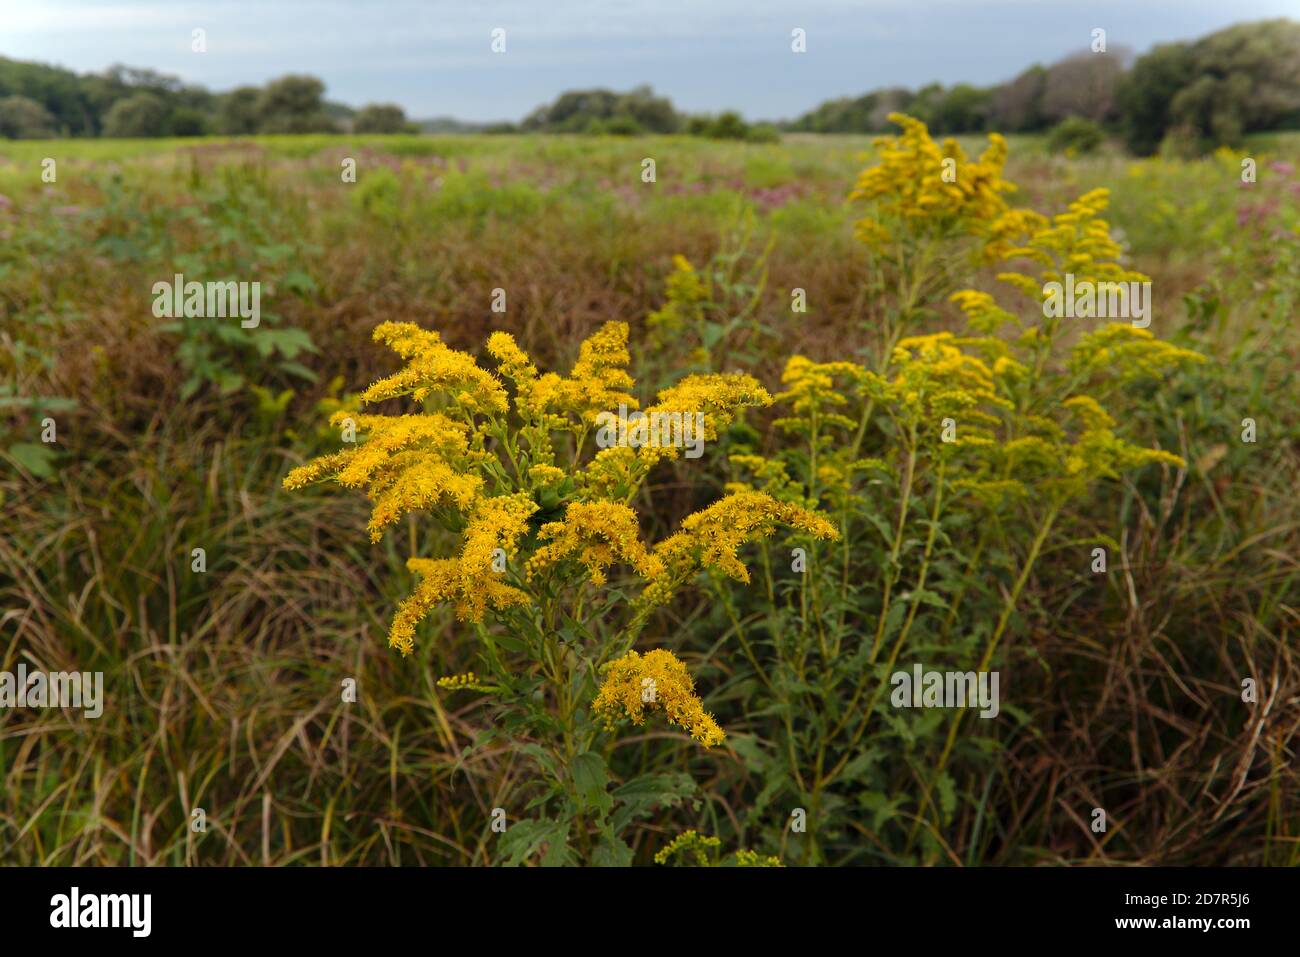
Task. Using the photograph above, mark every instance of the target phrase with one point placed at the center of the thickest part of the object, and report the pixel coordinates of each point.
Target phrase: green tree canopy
(380, 118)
(141, 114)
(22, 118)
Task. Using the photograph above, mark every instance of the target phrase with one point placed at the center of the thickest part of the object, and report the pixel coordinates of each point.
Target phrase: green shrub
(1075, 136)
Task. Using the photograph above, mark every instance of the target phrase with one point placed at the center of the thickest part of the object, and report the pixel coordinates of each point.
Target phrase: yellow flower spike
(635, 684)
(711, 538)
(613, 473)
(496, 523)
(1089, 412)
(686, 291)
(748, 858)
(596, 535)
(443, 580)
(719, 397)
(543, 475)
(702, 849)
(471, 580)
(515, 363)
(416, 483)
(982, 311)
(1129, 353)
(468, 681)
(516, 366)
(406, 463)
(930, 190)
(431, 368)
(599, 380)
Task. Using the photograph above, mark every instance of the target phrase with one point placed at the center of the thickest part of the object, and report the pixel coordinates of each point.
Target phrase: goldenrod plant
(552, 572)
(946, 468)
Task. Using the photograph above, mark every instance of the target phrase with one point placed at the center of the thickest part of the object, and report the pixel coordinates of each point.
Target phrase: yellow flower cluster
(685, 294)
(638, 683)
(926, 189)
(467, 681)
(469, 580)
(693, 844)
(811, 391)
(443, 580)
(407, 463)
(434, 367)
(486, 479)
(747, 858)
(711, 537)
(1128, 353)
(695, 849)
(1077, 241)
(597, 535)
(718, 396)
(937, 379)
(598, 381)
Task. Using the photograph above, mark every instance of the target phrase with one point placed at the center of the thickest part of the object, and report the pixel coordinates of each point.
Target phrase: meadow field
(1115, 530)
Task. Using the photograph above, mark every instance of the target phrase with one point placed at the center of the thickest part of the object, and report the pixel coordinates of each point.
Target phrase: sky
(434, 58)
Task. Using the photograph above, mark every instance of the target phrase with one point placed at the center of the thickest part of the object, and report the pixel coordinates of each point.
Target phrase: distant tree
(22, 118)
(380, 118)
(58, 91)
(143, 79)
(1083, 85)
(572, 111)
(620, 125)
(1246, 78)
(186, 121)
(576, 111)
(653, 113)
(141, 114)
(843, 115)
(728, 126)
(922, 103)
(294, 104)
(1147, 92)
(961, 109)
(698, 125)
(884, 102)
(237, 113)
(1017, 106)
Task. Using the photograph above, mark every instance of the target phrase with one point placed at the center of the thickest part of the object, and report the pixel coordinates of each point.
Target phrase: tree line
(40, 102)
(1187, 97)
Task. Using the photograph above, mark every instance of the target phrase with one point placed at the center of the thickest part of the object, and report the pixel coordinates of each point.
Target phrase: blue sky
(434, 57)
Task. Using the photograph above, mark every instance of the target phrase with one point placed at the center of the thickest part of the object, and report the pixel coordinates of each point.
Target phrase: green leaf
(523, 839)
(590, 778)
(34, 457)
(611, 852)
(298, 281)
(644, 794)
(288, 342)
(947, 793)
